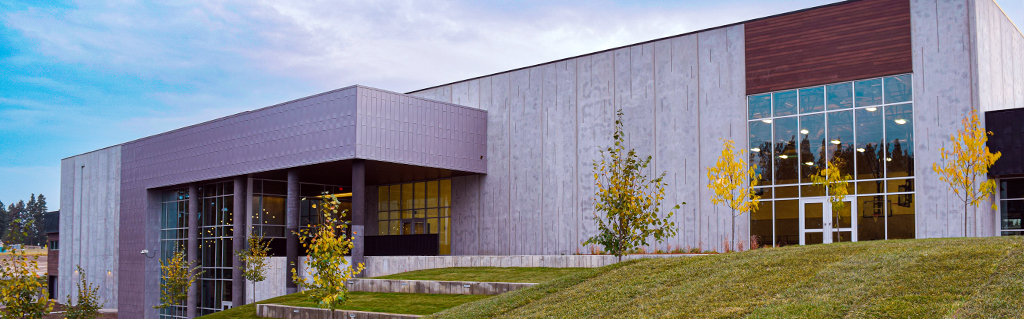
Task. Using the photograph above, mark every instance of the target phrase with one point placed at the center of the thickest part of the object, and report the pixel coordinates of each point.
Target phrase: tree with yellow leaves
(729, 179)
(177, 276)
(835, 182)
(254, 261)
(22, 292)
(966, 165)
(327, 243)
(629, 200)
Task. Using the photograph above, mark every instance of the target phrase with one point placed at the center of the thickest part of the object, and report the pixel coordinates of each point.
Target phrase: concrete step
(434, 286)
(291, 312)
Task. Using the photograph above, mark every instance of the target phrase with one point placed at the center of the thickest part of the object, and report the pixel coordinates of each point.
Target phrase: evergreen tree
(38, 215)
(17, 228)
(31, 231)
(5, 219)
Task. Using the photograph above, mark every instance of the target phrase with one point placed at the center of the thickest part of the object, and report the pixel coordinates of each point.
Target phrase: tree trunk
(733, 243)
(965, 218)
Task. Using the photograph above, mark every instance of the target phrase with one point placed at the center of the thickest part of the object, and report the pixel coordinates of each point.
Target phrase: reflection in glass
(761, 150)
(871, 211)
(812, 145)
(899, 132)
(785, 103)
(787, 222)
(812, 99)
(868, 92)
(1011, 213)
(813, 214)
(761, 225)
(870, 163)
(900, 185)
(786, 160)
(901, 216)
(787, 192)
(840, 139)
(1011, 188)
(898, 89)
(759, 106)
(840, 96)
(871, 187)
(813, 238)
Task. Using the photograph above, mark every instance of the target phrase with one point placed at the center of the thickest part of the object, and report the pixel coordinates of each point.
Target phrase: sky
(77, 76)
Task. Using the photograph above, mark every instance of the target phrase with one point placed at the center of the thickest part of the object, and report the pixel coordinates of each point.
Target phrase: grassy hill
(931, 278)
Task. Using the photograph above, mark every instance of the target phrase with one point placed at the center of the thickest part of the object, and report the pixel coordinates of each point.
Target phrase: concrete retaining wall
(289, 312)
(435, 287)
(377, 266)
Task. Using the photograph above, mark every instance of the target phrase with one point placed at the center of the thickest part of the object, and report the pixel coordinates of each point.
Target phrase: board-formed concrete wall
(90, 211)
(547, 123)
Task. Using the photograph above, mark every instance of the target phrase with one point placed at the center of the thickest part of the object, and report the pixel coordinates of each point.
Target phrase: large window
(416, 208)
(215, 239)
(173, 235)
(1011, 207)
(867, 123)
(268, 208)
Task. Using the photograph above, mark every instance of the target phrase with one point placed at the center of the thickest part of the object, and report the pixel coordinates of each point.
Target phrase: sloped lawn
(486, 274)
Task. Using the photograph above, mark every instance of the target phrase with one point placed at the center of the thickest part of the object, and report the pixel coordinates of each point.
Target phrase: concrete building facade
(501, 165)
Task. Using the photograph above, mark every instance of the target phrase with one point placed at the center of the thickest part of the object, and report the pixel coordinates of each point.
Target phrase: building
(501, 164)
(52, 229)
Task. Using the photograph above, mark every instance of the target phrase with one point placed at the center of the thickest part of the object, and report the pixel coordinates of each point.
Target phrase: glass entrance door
(820, 224)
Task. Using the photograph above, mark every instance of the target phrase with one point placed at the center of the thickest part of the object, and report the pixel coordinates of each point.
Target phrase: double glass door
(820, 224)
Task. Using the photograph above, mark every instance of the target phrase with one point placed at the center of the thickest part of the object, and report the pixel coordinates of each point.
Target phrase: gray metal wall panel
(942, 95)
(497, 196)
(595, 118)
(90, 206)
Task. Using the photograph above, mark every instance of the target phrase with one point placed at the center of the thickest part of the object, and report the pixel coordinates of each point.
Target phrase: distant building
(52, 229)
(501, 164)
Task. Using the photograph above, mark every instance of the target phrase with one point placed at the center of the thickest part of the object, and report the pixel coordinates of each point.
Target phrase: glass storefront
(1011, 207)
(416, 208)
(794, 133)
(216, 219)
(173, 235)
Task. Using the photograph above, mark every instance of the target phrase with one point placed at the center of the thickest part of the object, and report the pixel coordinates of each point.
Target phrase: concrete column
(291, 218)
(193, 245)
(238, 218)
(358, 210)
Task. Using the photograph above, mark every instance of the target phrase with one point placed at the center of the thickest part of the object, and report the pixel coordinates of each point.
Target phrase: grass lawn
(416, 304)
(929, 278)
(486, 274)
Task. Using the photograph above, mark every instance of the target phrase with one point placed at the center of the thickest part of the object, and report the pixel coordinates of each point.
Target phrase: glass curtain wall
(416, 208)
(1011, 207)
(215, 238)
(867, 123)
(268, 213)
(173, 235)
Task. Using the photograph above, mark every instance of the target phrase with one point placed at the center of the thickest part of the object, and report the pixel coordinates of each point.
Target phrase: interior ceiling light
(871, 109)
(836, 142)
(769, 121)
(809, 163)
(756, 149)
(888, 159)
(805, 131)
(900, 121)
(783, 156)
(860, 150)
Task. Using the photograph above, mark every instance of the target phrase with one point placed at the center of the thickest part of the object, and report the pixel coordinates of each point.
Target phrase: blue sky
(76, 76)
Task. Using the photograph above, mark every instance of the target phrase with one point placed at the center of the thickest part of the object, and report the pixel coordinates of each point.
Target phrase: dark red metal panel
(849, 41)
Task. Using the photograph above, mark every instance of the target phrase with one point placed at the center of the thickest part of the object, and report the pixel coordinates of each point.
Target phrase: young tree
(254, 261)
(628, 199)
(729, 179)
(177, 276)
(833, 180)
(966, 165)
(88, 304)
(22, 292)
(326, 244)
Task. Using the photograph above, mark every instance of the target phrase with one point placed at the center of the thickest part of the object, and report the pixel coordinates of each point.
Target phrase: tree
(38, 215)
(965, 166)
(833, 180)
(20, 224)
(87, 305)
(729, 179)
(326, 244)
(254, 261)
(177, 276)
(5, 220)
(22, 292)
(628, 199)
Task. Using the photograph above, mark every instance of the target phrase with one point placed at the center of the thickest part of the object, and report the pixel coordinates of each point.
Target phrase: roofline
(640, 43)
